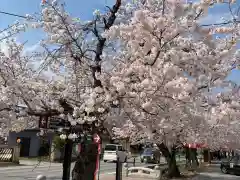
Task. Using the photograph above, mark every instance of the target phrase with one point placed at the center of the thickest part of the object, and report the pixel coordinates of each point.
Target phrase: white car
(112, 150)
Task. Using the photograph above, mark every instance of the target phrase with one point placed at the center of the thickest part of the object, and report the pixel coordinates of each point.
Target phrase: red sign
(195, 145)
(96, 139)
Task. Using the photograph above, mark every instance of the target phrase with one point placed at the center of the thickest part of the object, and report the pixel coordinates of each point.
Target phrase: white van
(111, 150)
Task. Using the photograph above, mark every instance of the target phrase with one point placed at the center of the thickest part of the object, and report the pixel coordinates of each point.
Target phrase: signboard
(56, 123)
(53, 123)
(43, 122)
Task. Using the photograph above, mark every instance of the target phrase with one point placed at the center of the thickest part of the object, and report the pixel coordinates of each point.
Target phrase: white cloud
(29, 49)
(213, 18)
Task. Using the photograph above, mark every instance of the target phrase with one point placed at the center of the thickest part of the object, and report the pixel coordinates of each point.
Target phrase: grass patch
(42, 158)
(9, 164)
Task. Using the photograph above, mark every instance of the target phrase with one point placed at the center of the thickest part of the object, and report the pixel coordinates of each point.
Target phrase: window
(120, 148)
(147, 151)
(110, 147)
(235, 159)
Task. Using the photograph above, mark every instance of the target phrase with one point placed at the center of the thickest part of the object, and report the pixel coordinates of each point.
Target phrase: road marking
(41, 165)
(109, 173)
(29, 170)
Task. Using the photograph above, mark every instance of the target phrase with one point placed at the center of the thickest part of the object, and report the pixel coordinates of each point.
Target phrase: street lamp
(18, 141)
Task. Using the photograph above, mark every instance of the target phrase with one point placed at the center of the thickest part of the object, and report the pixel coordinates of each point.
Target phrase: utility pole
(67, 159)
(68, 148)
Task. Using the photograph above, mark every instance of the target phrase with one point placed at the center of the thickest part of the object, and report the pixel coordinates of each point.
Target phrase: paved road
(216, 176)
(52, 171)
(214, 173)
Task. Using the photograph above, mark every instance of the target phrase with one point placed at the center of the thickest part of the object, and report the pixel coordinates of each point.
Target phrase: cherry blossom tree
(74, 92)
(162, 61)
(168, 62)
(223, 120)
(71, 56)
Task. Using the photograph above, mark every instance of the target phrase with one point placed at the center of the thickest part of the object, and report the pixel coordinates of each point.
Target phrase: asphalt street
(214, 173)
(52, 171)
(216, 176)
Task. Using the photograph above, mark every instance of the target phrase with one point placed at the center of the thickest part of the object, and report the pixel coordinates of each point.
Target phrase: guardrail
(151, 171)
(143, 172)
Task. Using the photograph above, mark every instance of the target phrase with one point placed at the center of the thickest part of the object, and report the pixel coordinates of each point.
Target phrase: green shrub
(58, 143)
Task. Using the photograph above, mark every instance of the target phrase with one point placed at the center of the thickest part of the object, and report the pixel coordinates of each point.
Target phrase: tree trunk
(85, 165)
(188, 158)
(79, 168)
(193, 157)
(206, 155)
(67, 159)
(173, 170)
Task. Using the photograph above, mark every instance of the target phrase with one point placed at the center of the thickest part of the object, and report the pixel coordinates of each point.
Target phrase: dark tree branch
(101, 42)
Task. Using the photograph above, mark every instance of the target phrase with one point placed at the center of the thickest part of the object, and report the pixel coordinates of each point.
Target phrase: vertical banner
(97, 140)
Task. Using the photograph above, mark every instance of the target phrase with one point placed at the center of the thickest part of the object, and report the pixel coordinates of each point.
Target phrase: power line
(11, 14)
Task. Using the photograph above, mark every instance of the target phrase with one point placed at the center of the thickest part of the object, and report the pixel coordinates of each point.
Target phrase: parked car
(231, 165)
(112, 150)
(150, 155)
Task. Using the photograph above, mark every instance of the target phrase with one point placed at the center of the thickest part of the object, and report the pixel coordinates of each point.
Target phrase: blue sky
(215, 15)
(77, 8)
(82, 9)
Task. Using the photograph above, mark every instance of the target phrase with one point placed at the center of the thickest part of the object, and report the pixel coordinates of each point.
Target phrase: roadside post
(118, 169)
(97, 140)
(120, 161)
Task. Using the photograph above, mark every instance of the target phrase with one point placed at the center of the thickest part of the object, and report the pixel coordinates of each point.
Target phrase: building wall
(126, 145)
(105, 139)
(34, 140)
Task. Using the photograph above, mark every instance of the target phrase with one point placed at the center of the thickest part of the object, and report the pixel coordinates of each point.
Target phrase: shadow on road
(215, 176)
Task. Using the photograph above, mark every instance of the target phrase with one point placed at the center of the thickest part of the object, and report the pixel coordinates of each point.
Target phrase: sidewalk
(9, 164)
(27, 162)
(216, 161)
